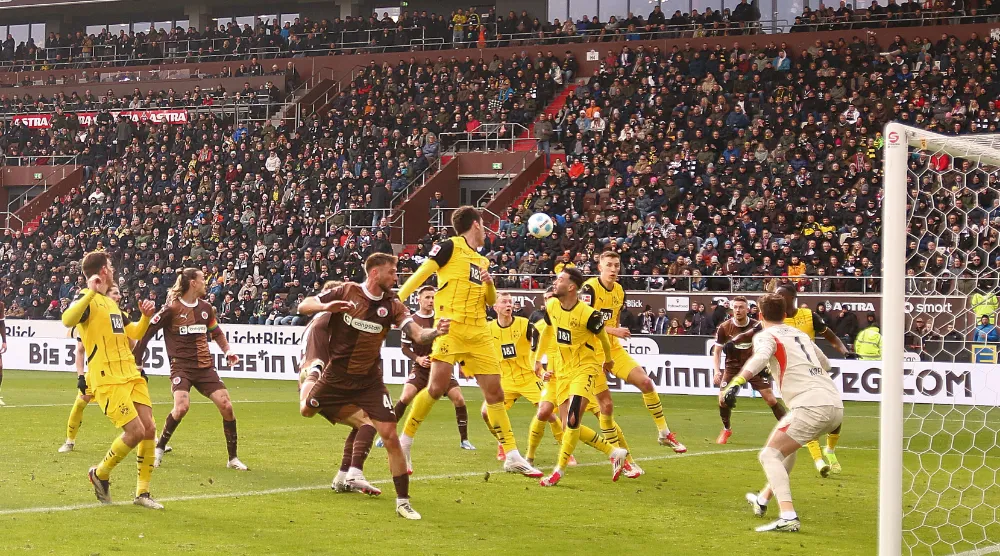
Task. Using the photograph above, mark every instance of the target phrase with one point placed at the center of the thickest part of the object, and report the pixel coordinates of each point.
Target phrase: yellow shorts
(118, 401)
(90, 389)
(469, 346)
(624, 363)
(582, 383)
(531, 391)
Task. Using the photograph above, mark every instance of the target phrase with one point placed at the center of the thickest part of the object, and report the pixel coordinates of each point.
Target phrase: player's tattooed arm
(421, 335)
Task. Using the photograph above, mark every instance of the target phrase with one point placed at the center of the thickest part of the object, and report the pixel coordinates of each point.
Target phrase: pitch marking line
(284, 490)
(995, 549)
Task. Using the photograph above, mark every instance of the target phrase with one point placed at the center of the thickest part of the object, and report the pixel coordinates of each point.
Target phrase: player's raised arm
(764, 347)
(330, 301)
(439, 256)
(422, 335)
(136, 330)
(157, 323)
(79, 309)
(596, 325)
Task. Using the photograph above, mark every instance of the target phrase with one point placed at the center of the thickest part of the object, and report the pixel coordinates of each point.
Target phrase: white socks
(788, 515)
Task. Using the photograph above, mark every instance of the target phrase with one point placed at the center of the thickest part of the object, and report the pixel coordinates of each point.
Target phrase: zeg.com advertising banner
(924, 382)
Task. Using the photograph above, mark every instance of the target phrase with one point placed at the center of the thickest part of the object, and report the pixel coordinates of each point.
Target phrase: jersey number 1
(804, 350)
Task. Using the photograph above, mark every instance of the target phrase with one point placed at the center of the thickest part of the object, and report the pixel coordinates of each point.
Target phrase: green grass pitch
(690, 504)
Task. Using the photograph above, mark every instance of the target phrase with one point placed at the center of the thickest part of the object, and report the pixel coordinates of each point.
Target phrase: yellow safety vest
(868, 344)
(984, 304)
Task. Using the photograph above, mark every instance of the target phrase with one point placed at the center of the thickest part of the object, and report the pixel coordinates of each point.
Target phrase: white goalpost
(939, 464)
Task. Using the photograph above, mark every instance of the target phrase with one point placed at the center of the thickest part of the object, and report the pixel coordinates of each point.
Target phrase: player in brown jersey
(736, 356)
(351, 389)
(314, 356)
(187, 320)
(420, 372)
(3, 346)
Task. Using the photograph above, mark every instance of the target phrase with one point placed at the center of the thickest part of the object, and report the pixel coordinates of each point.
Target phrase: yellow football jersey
(807, 321)
(514, 349)
(104, 332)
(461, 294)
(574, 333)
(608, 302)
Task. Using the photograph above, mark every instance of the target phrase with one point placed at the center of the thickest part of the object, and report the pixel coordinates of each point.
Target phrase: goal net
(939, 468)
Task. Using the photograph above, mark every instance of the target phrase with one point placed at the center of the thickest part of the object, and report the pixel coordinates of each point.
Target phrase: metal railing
(417, 182)
(487, 137)
(734, 284)
(47, 160)
(362, 218)
(368, 41)
(11, 220)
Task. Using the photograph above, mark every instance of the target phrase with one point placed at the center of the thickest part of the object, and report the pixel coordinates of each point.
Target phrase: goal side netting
(939, 461)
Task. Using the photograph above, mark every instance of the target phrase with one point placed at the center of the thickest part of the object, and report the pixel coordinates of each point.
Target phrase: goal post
(938, 441)
(894, 220)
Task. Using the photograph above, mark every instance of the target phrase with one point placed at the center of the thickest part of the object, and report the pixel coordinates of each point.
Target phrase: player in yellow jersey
(607, 296)
(118, 384)
(86, 393)
(512, 341)
(465, 287)
(810, 323)
(578, 333)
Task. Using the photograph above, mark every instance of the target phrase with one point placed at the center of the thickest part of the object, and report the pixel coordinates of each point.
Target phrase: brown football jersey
(186, 330)
(735, 358)
(356, 335)
(423, 321)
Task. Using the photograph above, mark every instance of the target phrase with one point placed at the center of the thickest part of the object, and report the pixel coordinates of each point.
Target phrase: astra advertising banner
(169, 116)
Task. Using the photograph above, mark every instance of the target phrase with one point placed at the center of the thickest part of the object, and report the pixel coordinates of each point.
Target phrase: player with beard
(351, 389)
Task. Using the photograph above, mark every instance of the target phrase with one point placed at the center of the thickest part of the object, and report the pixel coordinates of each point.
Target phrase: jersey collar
(184, 303)
(423, 316)
(369, 294)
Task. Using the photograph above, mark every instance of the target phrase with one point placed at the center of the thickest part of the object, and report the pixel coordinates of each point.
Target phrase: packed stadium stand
(732, 167)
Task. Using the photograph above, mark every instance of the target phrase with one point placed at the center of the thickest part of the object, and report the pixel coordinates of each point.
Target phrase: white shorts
(805, 424)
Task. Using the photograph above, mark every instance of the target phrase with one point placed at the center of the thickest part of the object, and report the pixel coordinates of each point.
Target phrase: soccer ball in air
(540, 225)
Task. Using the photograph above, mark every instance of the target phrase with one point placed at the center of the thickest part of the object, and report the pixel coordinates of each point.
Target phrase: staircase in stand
(551, 110)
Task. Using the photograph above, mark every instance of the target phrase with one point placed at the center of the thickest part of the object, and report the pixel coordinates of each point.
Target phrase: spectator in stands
(986, 332)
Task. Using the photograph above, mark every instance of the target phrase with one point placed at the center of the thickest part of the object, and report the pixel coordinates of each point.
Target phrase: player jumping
(315, 355)
(351, 388)
(118, 384)
(420, 372)
(576, 329)
(607, 296)
(187, 320)
(736, 356)
(814, 404)
(465, 287)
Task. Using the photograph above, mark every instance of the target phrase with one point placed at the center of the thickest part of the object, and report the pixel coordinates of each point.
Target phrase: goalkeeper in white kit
(813, 402)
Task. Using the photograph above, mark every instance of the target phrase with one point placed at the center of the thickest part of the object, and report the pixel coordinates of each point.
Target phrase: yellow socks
(814, 450)
(75, 418)
(831, 441)
(499, 420)
(608, 428)
(652, 401)
(421, 406)
(570, 438)
(119, 449)
(622, 443)
(144, 456)
(557, 430)
(595, 440)
(535, 433)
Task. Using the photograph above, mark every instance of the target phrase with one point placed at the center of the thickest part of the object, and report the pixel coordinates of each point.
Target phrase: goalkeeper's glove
(851, 355)
(81, 384)
(142, 372)
(732, 390)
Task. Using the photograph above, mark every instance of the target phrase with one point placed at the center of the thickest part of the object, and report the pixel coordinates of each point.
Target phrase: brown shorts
(206, 382)
(330, 400)
(419, 377)
(760, 382)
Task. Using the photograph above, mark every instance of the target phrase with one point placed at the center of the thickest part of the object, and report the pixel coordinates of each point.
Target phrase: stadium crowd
(732, 168)
(269, 212)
